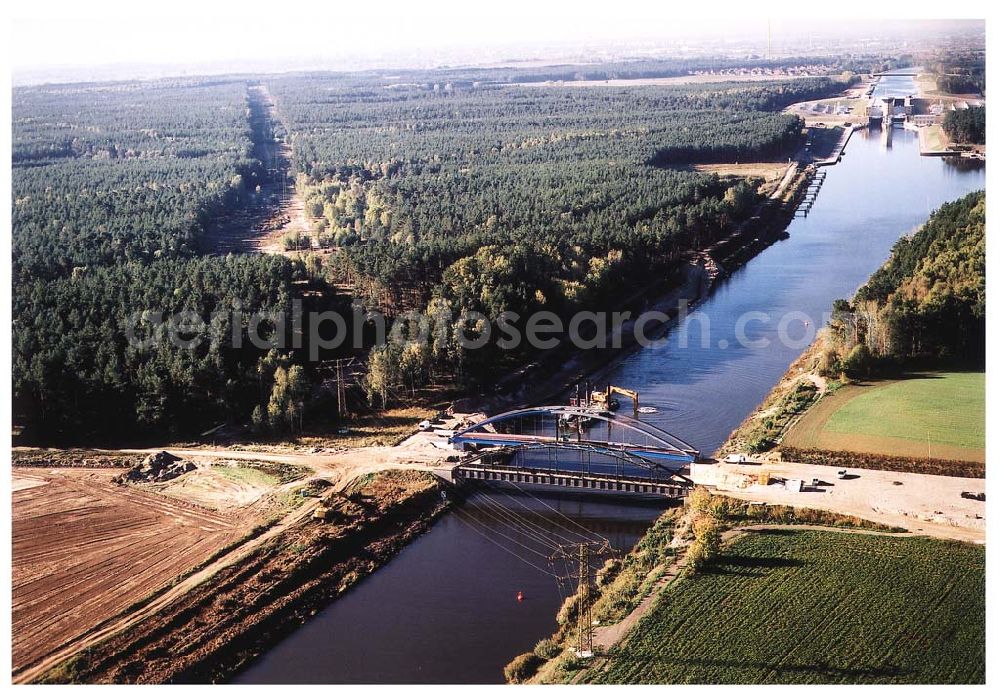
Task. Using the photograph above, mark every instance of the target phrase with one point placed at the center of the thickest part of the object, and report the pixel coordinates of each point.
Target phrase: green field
(940, 415)
(816, 607)
(944, 407)
(246, 475)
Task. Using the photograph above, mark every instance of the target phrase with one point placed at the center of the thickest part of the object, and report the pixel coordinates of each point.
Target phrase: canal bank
(715, 368)
(209, 631)
(546, 378)
(446, 610)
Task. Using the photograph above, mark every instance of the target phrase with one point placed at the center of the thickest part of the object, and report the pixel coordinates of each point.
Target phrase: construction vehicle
(603, 398)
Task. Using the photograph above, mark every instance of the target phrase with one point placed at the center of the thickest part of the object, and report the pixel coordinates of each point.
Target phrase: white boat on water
(648, 410)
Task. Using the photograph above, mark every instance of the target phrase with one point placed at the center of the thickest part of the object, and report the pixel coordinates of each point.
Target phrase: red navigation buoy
(520, 596)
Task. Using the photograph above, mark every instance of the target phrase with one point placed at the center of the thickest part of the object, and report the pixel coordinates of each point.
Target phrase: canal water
(780, 298)
(445, 610)
(897, 85)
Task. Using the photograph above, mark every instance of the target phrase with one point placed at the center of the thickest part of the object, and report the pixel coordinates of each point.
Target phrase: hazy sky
(48, 33)
(335, 28)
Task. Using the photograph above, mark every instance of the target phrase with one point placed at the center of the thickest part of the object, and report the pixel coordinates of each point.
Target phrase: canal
(779, 299)
(445, 610)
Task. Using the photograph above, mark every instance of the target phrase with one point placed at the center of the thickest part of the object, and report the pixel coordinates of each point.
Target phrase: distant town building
(925, 119)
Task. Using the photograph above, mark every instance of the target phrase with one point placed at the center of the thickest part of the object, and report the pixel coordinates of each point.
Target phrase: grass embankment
(942, 408)
(797, 390)
(206, 635)
(262, 473)
(927, 423)
(816, 607)
(933, 139)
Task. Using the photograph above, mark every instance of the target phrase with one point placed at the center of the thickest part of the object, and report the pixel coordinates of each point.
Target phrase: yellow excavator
(605, 400)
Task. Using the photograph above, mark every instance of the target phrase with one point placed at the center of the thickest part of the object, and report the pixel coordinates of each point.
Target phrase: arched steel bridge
(626, 437)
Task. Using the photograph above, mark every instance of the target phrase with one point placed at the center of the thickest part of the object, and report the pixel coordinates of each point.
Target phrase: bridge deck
(575, 481)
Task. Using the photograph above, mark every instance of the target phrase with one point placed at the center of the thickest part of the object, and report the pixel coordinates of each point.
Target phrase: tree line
(655, 68)
(966, 125)
(927, 303)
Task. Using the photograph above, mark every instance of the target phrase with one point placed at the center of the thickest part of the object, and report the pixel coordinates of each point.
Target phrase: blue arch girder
(665, 447)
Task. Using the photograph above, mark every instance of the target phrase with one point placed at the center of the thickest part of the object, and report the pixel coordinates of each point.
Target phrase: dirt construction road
(922, 503)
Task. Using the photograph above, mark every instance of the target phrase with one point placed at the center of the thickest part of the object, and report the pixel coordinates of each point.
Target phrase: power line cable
(556, 523)
(499, 522)
(548, 544)
(594, 536)
(535, 528)
(508, 551)
(511, 539)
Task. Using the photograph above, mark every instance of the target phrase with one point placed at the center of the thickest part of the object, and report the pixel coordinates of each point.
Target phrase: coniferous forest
(966, 125)
(434, 188)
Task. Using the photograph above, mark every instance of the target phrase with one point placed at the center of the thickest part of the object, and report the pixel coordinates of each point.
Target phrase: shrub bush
(547, 649)
(719, 507)
(760, 444)
(698, 558)
(699, 499)
(567, 613)
(522, 668)
(609, 572)
(858, 361)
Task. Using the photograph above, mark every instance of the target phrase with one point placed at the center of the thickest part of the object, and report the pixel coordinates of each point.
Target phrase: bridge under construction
(575, 448)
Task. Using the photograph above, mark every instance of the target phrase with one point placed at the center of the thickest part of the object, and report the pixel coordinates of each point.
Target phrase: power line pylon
(582, 553)
(585, 621)
(339, 364)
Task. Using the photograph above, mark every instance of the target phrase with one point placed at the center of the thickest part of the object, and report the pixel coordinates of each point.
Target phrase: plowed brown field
(85, 549)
